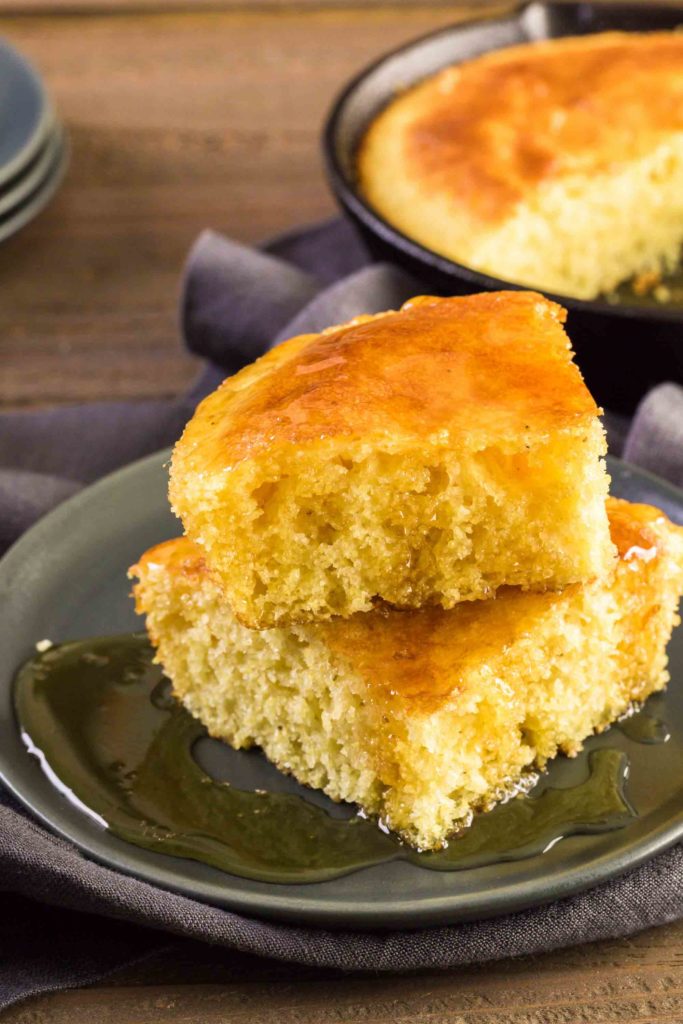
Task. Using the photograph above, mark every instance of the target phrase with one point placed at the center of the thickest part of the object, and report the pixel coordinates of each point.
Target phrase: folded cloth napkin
(236, 302)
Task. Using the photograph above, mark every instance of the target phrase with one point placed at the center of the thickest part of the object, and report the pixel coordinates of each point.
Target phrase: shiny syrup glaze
(465, 371)
(645, 725)
(487, 132)
(100, 717)
(634, 530)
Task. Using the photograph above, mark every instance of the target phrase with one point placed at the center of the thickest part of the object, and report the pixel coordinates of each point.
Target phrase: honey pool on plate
(99, 716)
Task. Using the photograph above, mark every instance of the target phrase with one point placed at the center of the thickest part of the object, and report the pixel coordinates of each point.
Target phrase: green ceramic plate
(66, 579)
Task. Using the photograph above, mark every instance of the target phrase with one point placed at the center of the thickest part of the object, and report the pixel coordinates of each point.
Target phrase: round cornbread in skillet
(428, 456)
(557, 165)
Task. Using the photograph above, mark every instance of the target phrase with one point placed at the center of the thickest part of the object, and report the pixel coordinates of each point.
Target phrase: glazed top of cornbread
(485, 133)
(465, 372)
(419, 656)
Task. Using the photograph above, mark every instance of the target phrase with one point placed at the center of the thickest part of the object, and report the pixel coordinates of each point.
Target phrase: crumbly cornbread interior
(428, 456)
(558, 165)
(423, 717)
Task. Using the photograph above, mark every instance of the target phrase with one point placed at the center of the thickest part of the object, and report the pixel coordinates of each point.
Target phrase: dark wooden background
(178, 121)
(183, 116)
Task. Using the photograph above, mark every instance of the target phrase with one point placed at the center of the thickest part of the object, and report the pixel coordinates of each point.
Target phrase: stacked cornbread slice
(400, 577)
(422, 457)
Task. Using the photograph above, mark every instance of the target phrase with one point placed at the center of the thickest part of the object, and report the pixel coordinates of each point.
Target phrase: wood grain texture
(638, 981)
(177, 122)
(266, 6)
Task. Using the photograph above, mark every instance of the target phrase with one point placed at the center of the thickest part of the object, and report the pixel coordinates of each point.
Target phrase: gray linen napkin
(67, 921)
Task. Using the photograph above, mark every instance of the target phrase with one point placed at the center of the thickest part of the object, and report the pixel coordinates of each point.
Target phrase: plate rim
(28, 208)
(273, 902)
(45, 120)
(38, 173)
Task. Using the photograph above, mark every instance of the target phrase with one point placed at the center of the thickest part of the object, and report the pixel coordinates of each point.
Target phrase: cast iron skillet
(623, 349)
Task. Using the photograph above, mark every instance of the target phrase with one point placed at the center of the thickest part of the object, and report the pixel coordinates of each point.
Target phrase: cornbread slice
(557, 165)
(428, 456)
(423, 717)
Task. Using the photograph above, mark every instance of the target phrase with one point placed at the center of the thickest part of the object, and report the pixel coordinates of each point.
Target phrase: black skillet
(624, 346)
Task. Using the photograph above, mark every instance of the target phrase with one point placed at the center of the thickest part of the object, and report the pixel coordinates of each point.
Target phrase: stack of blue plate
(32, 143)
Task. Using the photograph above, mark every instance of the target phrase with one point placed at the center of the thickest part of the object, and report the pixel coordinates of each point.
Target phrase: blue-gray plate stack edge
(33, 151)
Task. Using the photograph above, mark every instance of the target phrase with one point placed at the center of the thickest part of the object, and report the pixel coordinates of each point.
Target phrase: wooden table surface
(182, 117)
(177, 121)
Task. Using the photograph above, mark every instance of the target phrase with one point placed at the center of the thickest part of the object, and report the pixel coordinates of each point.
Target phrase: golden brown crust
(487, 132)
(428, 650)
(179, 556)
(636, 530)
(419, 655)
(467, 371)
